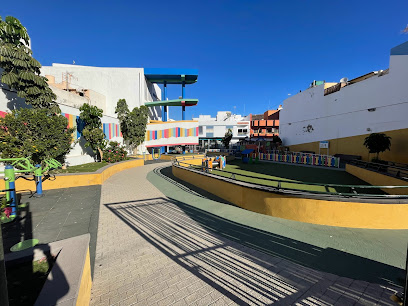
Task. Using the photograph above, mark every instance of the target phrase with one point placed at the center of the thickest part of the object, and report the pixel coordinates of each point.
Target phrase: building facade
(212, 129)
(102, 87)
(348, 111)
(265, 125)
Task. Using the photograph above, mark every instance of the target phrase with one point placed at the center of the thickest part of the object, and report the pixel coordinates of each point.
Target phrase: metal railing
(350, 191)
(391, 170)
(300, 158)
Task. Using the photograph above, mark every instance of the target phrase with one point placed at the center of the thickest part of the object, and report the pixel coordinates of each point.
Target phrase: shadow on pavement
(324, 259)
(234, 267)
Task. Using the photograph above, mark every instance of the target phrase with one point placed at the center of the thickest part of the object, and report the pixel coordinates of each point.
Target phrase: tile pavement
(150, 252)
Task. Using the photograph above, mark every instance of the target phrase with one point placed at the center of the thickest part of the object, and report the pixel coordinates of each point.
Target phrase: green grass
(25, 281)
(90, 167)
(294, 173)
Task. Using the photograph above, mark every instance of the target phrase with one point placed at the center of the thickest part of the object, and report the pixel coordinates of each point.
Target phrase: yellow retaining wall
(166, 157)
(378, 179)
(179, 157)
(80, 179)
(354, 146)
(84, 294)
(145, 157)
(333, 213)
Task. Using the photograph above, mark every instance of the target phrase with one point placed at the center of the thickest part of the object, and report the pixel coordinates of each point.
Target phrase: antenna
(68, 76)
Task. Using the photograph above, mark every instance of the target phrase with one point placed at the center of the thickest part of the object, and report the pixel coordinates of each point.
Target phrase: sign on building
(324, 145)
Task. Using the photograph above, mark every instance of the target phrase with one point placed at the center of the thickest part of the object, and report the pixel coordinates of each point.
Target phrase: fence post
(10, 179)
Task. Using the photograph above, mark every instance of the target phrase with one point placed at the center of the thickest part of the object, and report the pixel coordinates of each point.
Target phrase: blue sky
(250, 54)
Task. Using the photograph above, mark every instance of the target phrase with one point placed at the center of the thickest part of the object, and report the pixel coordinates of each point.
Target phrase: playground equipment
(246, 156)
(156, 157)
(23, 165)
(209, 163)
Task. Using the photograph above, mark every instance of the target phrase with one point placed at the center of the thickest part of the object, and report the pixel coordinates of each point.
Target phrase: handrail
(376, 164)
(398, 172)
(279, 184)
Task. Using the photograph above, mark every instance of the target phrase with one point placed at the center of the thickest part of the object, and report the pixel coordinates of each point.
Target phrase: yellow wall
(354, 146)
(84, 294)
(327, 85)
(145, 157)
(76, 180)
(378, 179)
(333, 213)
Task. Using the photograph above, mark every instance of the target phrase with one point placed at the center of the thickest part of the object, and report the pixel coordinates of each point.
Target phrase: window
(210, 128)
(245, 131)
(229, 127)
(210, 134)
(239, 130)
(200, 130)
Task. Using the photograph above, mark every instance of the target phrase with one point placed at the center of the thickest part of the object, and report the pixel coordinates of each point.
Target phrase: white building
(112, 83)
(103, 86)
(75, 85)
(345, 113)
(212, 130)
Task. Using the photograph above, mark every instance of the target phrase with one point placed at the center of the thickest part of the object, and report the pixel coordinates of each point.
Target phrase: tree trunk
(100, 154)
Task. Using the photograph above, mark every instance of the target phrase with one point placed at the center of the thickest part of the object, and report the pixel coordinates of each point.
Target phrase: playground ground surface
(59, 214)
(288, 173)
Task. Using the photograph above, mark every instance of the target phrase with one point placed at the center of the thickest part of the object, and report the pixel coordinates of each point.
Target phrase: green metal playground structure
(22, 165)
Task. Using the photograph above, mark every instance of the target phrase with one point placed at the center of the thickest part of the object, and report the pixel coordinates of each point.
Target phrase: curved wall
(310, 210)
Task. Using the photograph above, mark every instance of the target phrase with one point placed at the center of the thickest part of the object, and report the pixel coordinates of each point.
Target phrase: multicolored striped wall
(72, 123)
(172, 132)
(110, 130)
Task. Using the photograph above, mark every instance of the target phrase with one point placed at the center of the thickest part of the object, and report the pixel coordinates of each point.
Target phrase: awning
(171, 76)
(176, 102)
(247, 151)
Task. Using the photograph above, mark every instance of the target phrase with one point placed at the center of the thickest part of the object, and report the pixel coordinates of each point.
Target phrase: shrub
(114, 153)
(36, 134)
(377, 143)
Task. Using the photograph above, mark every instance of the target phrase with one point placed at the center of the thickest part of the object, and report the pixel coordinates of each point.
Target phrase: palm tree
(377, 142)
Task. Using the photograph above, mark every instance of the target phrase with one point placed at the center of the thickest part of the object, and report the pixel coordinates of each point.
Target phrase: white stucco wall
(310, 116)
(113, 83)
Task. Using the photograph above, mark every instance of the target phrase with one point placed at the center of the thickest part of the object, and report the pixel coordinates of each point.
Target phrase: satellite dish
(344, 80)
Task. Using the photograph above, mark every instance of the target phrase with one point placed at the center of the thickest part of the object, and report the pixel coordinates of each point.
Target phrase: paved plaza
(158, 246)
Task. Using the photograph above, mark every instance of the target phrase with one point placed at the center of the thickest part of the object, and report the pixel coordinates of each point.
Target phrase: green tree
(377, 142)
(132, 123)
(21, 72)
(92, 132)
(276, 139)
(227, 138)
(35, 134)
